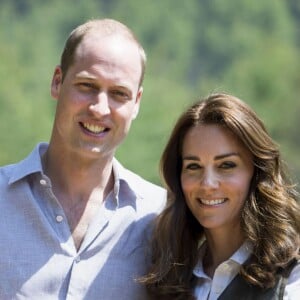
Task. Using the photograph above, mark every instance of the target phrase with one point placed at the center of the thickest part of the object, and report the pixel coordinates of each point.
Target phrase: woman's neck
(221, 245)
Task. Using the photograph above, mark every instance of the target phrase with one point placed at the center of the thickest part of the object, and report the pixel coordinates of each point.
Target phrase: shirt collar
(243, 253)
(124, 176)
(239, 257)
(124, 179)
(127, 188)
(31, 164)
(199, 270)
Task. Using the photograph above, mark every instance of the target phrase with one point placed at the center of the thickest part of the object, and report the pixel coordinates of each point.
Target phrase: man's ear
(56, 82)
(137, 102)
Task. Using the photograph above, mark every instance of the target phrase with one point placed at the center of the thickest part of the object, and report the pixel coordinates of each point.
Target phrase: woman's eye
(228, 165)
(192, 166)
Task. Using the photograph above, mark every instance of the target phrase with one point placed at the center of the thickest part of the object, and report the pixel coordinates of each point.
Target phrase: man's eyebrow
(85, 76)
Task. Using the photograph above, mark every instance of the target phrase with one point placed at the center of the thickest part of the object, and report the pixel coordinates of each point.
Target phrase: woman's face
(216, 173)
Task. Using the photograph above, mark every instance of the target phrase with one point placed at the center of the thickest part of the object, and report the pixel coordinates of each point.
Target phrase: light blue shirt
(38, 258)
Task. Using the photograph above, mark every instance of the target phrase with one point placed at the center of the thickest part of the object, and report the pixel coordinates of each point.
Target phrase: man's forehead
(112, 50)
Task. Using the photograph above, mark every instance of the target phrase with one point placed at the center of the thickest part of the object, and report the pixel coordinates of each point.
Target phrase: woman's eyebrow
(190, 157)
(221, 156)
(227, 155)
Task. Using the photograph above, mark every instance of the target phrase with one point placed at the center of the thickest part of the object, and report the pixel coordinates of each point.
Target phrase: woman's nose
(209, 179)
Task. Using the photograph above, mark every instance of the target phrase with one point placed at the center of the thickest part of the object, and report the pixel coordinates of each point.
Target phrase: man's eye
(120, 94)
(87, 85)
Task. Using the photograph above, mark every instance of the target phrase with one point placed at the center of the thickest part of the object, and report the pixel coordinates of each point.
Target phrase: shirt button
(59, 218)
(77, 259)
(43, 182)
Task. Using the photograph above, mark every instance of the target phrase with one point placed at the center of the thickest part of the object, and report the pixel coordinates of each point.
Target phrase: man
(73, 221)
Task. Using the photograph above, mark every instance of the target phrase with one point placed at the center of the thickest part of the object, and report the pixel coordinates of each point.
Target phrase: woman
(231, 227)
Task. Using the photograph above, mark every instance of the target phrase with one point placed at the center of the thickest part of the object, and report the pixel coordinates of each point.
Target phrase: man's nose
(100, 105)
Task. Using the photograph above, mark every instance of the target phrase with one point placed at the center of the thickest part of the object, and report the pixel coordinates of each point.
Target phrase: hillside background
(249, 48)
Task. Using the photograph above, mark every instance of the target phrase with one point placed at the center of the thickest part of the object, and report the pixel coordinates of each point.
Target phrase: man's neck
(76, 174)
(80, 186)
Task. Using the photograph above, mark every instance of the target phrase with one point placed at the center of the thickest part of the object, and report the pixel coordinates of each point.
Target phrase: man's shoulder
(6, 172)
(143, 188)
(150, 197)
(143, 185)
(13, 172)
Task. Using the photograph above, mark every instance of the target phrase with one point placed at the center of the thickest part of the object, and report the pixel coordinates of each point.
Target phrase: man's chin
(96, 150)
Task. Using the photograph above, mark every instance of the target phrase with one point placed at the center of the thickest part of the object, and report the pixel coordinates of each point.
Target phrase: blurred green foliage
(248, 48)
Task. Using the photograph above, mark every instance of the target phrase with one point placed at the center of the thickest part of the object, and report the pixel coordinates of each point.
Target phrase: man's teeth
(93, 128)
(212, 202)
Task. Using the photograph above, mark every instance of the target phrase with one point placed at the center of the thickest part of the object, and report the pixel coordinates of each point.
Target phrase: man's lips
(93, 128)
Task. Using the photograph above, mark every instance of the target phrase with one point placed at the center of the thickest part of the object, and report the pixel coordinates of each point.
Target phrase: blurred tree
(248, 48)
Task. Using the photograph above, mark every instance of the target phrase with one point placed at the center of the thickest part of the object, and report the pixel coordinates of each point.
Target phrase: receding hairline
(102, 28)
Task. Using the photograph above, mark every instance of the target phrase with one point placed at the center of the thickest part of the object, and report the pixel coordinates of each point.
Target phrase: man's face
(99, 96)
